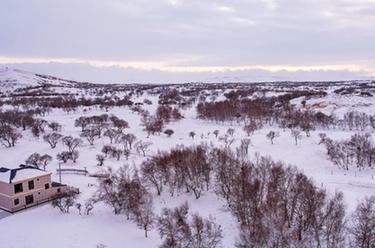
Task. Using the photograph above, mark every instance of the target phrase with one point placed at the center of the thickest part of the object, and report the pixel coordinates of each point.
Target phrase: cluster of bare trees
(167, 113)
(38, 160)
(154, 124)
(67, 199)
(358, 151)
(68, 102)
(72, 153)
(277, 206)
(93, 127)
(180, 169)
(357, 121)
(125, 194)
(176, 230)
(257, 112)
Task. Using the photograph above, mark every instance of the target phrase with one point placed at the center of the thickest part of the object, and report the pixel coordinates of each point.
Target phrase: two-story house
(26, 186)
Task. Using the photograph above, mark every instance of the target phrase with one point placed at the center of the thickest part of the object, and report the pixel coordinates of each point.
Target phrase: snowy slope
(14, 79)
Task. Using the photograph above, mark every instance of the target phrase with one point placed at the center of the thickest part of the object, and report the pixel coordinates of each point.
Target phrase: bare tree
(90, 134)
(272, 135)
(64, 201)
(63, 156)
(216, 133)
(82, 122)
(177, 231)
(363, 225)
(144, 214)
(230, 131)
(296, 134)
(142, 147)
(9, 135)
(228, 141)
(128, 140)
(45, 160)
(55, 127)
(112, 134)
(71, 142)
(52, 139)
(205, 233)
(100, 159)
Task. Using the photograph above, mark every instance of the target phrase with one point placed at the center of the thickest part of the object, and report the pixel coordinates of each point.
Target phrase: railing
(74, 171)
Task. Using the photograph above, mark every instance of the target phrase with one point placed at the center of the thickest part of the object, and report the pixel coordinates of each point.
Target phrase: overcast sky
(196, 40)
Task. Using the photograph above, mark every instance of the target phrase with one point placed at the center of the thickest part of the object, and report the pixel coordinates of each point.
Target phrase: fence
(74, 171)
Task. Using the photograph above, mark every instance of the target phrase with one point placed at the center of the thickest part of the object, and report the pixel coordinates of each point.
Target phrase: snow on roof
(23, 172)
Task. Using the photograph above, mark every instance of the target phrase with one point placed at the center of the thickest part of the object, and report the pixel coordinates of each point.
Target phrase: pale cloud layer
(190, 39)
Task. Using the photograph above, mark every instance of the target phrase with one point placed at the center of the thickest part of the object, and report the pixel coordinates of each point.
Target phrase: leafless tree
(228, 141)
(176, 230)
(112, 134)
(90, 134)
(144, 214)
(64, 201)
(55, 127)
(142, 146)
(192, 134)
(9, 135)
(296, 134)
(363, 225)
(230, 131)
(216, 133)
(82, 122)
(63, 156)
(71, 142)
(100, 159)
(52, 139)
(272, 135)
(128, 140)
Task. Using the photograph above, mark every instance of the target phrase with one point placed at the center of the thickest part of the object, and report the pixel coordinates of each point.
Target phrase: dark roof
(2, 169)
(13, 172)
(56, 184)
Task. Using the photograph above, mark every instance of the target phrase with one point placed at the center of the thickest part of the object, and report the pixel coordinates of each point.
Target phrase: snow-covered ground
(44, 226)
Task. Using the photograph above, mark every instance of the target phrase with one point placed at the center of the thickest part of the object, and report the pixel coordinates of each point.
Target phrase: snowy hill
(14, 79)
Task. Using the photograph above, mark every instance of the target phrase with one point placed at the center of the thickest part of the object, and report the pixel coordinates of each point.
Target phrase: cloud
(118, 74)
(176, 34)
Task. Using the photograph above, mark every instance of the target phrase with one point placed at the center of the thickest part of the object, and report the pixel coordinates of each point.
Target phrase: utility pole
(60, 172)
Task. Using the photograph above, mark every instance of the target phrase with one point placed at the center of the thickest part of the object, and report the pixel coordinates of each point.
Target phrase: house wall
(40, 194)
(6, 188)
(6, 202)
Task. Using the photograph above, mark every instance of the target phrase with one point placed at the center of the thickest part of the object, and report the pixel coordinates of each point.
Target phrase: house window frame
(16, 202)
(31, 183)
(46, 186)
(19, 190)
(27, 197)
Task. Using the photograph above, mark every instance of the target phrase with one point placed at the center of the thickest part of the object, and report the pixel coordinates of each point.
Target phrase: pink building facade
(26, 186)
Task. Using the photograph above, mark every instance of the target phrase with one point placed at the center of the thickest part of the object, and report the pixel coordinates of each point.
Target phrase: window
(31, 184)
(58, 190)
(18, 188)
(46, 186)
(29, 199)
(16, 202)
